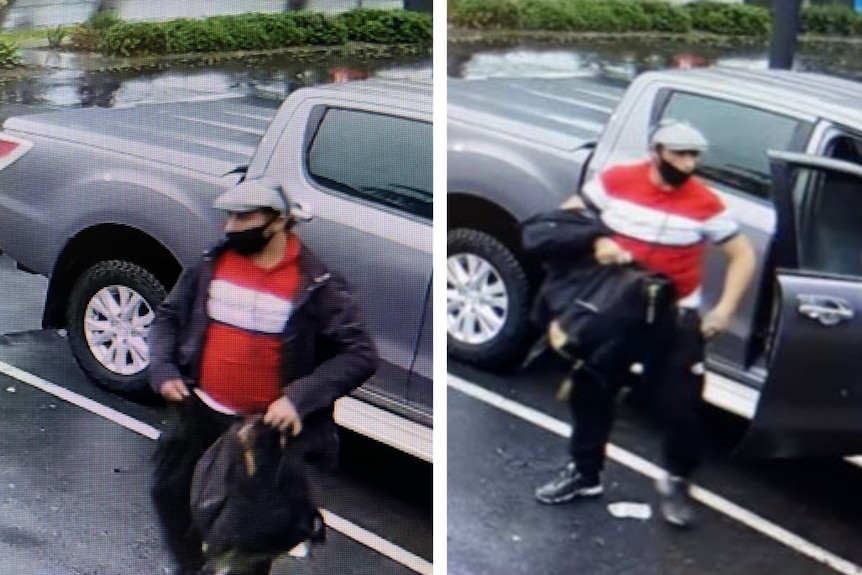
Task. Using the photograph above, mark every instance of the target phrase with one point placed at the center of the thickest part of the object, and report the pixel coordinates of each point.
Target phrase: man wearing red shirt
(258, 327)
(662, 218)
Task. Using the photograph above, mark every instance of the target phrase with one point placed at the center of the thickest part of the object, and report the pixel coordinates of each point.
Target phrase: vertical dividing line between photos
(439, 286)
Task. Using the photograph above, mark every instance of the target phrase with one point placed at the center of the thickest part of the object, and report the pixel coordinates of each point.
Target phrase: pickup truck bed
(563, 114)
(211, 137)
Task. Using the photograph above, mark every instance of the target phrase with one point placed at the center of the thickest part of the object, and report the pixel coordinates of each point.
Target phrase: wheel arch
(100, 243)
(465, 210)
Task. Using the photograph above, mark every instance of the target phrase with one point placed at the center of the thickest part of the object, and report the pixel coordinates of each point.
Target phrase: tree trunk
(291, 5)
(785, 29)
(109, 6)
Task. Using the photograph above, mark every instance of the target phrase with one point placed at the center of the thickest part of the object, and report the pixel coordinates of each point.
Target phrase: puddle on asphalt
(271, 77)
(626, 59)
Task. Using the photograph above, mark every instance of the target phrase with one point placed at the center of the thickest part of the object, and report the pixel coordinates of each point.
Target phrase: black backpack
(605, 315)
(615, 316)
(250, 493)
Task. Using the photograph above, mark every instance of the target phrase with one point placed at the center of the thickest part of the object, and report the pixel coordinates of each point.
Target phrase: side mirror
(301, 212)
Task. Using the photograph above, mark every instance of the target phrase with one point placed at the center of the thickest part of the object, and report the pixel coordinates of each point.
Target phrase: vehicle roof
(407, 93)
(803, 92)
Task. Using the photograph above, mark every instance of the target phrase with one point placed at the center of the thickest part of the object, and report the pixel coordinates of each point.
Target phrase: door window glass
(380, 158)
(830, 224)
(738, 136)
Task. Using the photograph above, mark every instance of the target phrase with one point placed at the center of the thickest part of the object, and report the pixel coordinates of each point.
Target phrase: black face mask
(249, 242)
(671, 175)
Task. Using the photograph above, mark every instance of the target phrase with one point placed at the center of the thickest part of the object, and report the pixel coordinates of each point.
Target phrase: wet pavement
(496, 460)
(624, 58)
(65, 79)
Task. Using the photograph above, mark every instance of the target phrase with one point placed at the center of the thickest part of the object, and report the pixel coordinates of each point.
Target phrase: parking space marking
(651, 470)
(343, 526)
(374, 541)
(79, 400)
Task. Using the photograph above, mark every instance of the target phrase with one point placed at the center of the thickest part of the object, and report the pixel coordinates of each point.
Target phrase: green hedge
(619, 16)
(388, 26)
(9, 56)
(831, 21)
(729, 19)
(255, 32)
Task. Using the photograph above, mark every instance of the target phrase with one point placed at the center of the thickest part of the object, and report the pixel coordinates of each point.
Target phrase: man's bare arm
(740, 272)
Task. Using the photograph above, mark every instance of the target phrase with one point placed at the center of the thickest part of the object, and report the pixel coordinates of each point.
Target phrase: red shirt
(665, 230)
(248, 308)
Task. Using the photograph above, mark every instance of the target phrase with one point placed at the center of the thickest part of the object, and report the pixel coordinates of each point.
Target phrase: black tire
(509, 345)
(98, 277)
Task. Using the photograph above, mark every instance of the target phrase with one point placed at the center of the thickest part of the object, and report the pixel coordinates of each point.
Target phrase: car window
(381, 158)
(738, 139)
(829, 220)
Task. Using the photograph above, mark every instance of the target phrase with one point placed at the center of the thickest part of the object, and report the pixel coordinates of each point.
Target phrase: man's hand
(174, 389)
(282, 415)
(609, 252)
(714, 322)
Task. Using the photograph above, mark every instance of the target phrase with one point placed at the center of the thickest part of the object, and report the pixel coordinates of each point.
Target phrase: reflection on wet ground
(275, 76)
(624, 59)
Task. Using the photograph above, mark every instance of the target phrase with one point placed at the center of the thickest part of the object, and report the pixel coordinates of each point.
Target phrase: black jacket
(326, 351)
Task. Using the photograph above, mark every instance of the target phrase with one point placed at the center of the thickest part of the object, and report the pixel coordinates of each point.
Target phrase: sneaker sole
(587, 492)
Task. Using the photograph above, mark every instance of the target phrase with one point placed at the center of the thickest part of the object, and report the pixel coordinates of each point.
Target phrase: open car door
(811, 402)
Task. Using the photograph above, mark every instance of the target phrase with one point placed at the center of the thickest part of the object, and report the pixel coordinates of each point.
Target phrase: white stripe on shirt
(247, 309)
(654, 225)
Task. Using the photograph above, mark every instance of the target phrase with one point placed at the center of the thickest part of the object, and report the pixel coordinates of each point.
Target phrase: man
(660, 217)
(259, 326)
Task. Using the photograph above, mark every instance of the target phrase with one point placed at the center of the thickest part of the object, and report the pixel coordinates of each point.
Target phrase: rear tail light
(12, 148)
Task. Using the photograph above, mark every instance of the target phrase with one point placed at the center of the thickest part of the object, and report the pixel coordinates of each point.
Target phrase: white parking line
(644, 467)
(79, 400)
(379, 544)
(343, 526)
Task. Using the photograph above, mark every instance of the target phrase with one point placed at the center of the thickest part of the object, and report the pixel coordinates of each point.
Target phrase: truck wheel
(487, 301)
(111, 308)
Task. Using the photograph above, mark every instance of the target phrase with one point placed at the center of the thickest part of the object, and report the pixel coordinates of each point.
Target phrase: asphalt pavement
(75, 468)
(507, 435)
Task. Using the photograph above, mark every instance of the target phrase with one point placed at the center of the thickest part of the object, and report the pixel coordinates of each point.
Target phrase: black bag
(561, 234)
(601, 316)
(616, 312)
(250, 493)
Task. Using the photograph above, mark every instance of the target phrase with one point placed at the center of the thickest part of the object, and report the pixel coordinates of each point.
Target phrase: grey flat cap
(679, 137)
(252, 195)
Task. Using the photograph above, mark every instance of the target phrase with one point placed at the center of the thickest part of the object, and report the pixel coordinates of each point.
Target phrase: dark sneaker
(676, 504)
(568, 485)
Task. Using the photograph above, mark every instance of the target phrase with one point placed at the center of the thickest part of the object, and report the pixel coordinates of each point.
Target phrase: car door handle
(828, 311)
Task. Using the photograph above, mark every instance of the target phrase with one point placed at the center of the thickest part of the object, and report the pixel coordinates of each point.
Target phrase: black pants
(192, 429)
(674, 378)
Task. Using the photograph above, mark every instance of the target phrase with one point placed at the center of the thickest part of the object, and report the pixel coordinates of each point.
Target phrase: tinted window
(738, 139)
(384, 159)
(829, 218)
